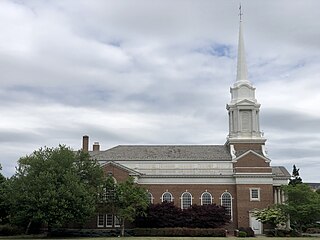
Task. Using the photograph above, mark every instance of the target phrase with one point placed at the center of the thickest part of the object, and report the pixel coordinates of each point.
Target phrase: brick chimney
(85, 143)
(96, 147)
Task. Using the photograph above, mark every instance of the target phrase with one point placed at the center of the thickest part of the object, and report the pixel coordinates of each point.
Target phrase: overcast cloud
(156, 72)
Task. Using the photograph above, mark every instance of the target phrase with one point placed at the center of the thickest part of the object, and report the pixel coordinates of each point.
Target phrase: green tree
(126, 200)
(295, 178)
(273, 215)
(3, 199)
(302, 205)
(54, 186)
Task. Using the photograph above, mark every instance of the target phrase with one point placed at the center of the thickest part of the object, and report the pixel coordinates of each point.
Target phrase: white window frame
(251, 197)
(98, 218)
(108, 225)
(182, 199)
(151, 197)
(202, 196)
(164, 194)
(231, 205)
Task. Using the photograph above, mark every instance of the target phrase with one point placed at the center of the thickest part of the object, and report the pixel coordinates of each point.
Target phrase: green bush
(242, 234)
(180, 232)
(248, 231)
(8, 230)
(313, 230)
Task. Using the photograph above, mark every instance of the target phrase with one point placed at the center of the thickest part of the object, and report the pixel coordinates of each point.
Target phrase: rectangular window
(254, 194)
(116, 221)
(109, 220)
(100, 220)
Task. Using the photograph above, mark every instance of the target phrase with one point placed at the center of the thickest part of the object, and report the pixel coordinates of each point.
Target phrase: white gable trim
(267, 160)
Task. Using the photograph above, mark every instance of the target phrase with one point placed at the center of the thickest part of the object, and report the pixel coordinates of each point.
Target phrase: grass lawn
(159, 238)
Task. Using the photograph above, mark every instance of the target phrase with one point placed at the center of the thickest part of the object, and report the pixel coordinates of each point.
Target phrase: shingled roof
(165, 152)
(280, 172)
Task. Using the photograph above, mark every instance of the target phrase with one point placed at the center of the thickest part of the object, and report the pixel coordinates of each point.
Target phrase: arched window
(167, 197)
(186, 200)
(226, 201)
(206, 198)
(150, 197)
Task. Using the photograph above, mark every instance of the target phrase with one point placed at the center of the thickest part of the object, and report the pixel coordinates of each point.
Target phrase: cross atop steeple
(240, 12)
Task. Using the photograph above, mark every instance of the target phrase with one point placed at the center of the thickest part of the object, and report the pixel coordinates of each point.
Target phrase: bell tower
(243, 109)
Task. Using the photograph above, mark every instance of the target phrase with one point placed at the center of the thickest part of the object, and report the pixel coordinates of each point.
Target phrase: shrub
(7, 230)
(167, 215)
(242, 234)
(180, 232)
(248, 231)
(313, 230)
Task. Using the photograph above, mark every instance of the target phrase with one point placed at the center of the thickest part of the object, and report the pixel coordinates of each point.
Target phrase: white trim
(267, 160)
(254, 199)
(171, 180)
(254, 180)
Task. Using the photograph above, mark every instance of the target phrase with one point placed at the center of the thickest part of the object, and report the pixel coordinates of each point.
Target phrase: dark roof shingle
(165, 152)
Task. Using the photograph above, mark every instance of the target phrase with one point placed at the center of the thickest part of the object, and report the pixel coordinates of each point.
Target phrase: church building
(236, 174)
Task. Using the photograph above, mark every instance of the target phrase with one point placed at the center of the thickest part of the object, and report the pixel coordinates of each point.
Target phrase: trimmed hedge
(180, 232)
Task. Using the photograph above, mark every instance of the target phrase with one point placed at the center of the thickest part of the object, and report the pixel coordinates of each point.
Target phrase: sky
(157, 72)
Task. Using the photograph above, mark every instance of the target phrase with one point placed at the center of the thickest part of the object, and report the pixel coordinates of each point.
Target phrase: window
(150, 197)
(109, 220)
(254, 194)
(167, 197)
(226, 201)
(186, 200)
(100, 220)
(206, 198)
(116, 221)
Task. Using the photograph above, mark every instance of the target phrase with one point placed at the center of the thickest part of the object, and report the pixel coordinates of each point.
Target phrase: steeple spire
(242, 72)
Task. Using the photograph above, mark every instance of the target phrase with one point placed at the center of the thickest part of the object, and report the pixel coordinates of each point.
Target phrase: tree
(302, 205)
(131, 201)
(273, 215)
(295, 178)
(54, 186)
(4, 214)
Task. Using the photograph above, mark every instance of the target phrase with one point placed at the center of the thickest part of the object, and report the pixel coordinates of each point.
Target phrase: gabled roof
(164, 153)
(280, 172)
(120, 166)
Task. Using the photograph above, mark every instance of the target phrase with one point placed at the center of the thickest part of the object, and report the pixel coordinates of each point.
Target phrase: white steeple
(242, 71)
(243, 108)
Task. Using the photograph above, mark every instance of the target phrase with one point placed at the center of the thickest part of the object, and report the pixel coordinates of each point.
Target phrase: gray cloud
(156, 72)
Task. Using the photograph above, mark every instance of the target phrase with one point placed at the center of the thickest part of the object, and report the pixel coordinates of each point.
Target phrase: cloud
(156, 72)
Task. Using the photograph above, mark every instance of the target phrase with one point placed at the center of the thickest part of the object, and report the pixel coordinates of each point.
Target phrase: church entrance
(255, 224)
